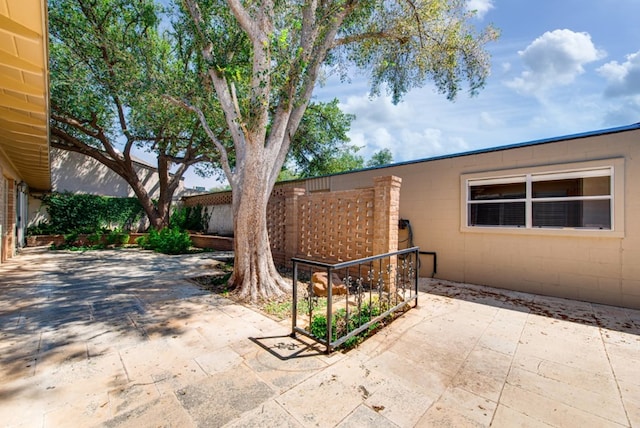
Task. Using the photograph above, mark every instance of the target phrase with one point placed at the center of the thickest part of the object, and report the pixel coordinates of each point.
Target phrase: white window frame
(607, 167)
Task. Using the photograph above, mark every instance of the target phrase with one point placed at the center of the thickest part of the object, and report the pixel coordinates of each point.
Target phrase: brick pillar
(292, 229)
(386, 213)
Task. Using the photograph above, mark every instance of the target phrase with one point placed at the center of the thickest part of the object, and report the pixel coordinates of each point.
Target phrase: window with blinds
(569, 199)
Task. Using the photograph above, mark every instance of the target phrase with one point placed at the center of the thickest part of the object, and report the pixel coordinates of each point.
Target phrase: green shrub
(42, 228)
(190, 218)
(341, 324)
(167, 241)
(70, 238)
(96, 239)
(82, 213)
(117, 238)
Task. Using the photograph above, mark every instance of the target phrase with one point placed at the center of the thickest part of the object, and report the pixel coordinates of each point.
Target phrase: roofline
(607, 131)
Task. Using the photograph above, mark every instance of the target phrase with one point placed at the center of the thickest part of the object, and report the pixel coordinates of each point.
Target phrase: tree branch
(232, 116)
(378, 35)
(64, 141)
(288, 116)
(224, 158)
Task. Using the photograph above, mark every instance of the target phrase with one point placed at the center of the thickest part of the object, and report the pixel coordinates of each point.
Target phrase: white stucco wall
(75, 172)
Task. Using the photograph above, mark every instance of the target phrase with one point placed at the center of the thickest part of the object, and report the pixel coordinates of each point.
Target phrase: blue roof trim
(615, 130)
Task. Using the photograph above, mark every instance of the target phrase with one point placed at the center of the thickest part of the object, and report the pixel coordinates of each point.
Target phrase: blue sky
(560, 67)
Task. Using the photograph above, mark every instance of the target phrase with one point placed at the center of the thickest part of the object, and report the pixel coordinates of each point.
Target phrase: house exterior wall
(8, 192)
(77, 173)
(590, 265)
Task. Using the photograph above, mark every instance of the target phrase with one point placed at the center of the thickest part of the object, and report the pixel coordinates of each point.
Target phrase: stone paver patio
(123, 338)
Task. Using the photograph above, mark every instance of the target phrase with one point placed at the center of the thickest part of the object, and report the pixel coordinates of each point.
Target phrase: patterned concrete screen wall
(325, 226)
(336, 226)
(347, 225)
(219, 209)
(218, 198)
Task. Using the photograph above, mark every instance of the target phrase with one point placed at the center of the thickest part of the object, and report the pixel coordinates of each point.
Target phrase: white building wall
(75, 172)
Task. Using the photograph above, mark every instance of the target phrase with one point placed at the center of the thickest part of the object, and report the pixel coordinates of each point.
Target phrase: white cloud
(623, 79)
(624, 113)
(554, 59)
(428, 142)
(480, 6)
(400, 128)
(488, 121)
(376, 110)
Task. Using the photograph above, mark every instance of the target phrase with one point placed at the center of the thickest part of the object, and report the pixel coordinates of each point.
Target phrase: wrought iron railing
(356, 298)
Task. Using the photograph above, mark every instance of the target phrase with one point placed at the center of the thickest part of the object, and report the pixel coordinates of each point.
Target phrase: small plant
(318, 327)
(342, 324)
(117, 238)
(96, 239)
(190, 218)
(167, 241)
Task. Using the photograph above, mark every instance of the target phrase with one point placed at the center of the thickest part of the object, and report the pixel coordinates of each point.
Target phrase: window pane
(497, 214)
(590, 186)
(585, 214)
(498, 191)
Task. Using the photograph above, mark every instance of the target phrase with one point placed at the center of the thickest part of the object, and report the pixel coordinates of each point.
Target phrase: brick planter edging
(221, 243)
(44, 240)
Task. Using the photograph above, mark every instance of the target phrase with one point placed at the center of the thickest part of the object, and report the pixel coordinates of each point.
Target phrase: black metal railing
(337, 304)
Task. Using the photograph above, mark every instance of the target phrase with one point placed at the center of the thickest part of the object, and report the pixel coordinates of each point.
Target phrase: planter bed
(221, 243)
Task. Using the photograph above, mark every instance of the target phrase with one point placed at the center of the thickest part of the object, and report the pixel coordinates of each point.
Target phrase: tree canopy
(109, 66)
(263, 60)
(380, 158)
(321, 146)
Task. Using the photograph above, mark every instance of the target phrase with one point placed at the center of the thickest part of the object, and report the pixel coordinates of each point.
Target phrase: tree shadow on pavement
(65, 307)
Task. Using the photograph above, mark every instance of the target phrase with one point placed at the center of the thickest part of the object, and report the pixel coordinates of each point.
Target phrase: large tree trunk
(255, 276)
(157, 217)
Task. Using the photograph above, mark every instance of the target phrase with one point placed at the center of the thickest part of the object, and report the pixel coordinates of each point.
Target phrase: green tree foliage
(380, 158)
(263, 60)
(109, 66)
(320, 145)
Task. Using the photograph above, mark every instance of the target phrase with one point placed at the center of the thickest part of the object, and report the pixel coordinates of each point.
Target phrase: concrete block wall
(326, 226)
(592, 266)
(583, 265)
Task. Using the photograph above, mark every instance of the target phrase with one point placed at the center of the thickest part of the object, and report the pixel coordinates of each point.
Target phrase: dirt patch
(216, 283)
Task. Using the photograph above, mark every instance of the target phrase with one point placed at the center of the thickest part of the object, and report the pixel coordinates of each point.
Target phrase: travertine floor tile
(604, 405)
(122, 339)
(549, 411)
(365, 417)
(507, 417)
(328, 397)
